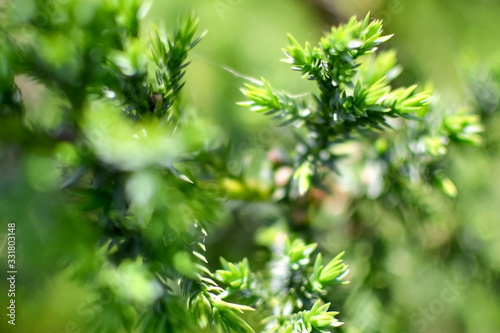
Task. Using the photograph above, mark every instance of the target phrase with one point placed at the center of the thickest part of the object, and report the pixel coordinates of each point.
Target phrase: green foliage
(358, 122)
(292, 294)
(118, 149)
(170, 59)
(133, 180)
(114, 149)
(356, 102)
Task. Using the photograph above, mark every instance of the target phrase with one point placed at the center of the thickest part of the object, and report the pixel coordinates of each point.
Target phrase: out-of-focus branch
(328, 11)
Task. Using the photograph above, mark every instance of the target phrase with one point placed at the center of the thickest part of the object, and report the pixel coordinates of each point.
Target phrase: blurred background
(435, 271)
